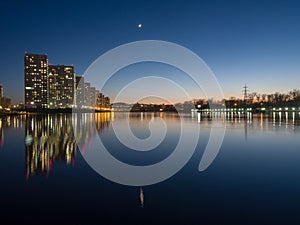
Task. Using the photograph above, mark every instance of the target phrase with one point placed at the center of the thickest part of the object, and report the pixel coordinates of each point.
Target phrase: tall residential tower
(61, 85)
(36, 80)
(1, 91)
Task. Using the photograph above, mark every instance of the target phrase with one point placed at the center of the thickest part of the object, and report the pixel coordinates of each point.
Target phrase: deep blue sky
(257, 42)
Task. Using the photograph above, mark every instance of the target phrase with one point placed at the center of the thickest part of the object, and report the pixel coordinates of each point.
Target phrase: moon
(140, 25)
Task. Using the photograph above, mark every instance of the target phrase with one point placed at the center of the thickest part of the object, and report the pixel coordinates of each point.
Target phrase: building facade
(57, 87)
(87, 94)
(1, 91)
(36, 80)
(93, 96)
(79, 90)
(61, 89)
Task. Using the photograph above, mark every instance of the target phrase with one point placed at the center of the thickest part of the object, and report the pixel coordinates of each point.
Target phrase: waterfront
(253, 180)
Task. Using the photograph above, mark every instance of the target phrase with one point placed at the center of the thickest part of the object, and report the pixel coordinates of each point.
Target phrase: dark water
(255, 178)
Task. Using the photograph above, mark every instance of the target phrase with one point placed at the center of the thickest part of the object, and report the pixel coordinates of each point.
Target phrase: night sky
(253, 42)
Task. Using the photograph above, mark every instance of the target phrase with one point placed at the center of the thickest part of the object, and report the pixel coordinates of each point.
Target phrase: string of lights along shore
(57, 87)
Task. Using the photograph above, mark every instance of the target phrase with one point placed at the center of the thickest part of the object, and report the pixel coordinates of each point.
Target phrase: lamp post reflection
(141, 197)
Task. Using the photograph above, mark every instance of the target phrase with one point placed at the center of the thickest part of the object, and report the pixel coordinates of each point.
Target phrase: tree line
(254, 100)
(276, 99)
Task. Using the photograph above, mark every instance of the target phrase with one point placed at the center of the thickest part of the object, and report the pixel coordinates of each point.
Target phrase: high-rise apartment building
(57, 87)
(93, 96)
(87, 94)
(36, 80)
(1, 91)
(61, 81)
(97, 93)
(79, 85)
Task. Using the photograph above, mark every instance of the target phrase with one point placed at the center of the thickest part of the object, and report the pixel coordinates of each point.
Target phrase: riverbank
(47, 111)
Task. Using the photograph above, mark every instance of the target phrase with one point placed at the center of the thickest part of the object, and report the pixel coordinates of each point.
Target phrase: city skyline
(50, 86)
(242, 42)
(150, 112)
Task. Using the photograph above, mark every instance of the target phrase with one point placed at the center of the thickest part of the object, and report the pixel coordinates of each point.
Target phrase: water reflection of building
(87, 125)
(8, 122)
(1, 134)
(50, 138)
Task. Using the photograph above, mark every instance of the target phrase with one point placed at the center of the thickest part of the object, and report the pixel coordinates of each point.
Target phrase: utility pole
(245, 92)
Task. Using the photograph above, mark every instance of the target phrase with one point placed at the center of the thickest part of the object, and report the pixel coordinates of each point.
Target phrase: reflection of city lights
(50, 138)
(293, 116)
(15, 123)
(142, 197)
(28, 139)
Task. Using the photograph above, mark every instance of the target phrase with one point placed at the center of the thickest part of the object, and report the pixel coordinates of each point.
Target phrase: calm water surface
(255, 178)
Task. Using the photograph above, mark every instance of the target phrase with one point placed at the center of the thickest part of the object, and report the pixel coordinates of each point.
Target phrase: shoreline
(16, 112)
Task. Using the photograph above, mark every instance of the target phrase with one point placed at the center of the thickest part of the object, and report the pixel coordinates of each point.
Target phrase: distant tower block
(36, 80)
(1, 91)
